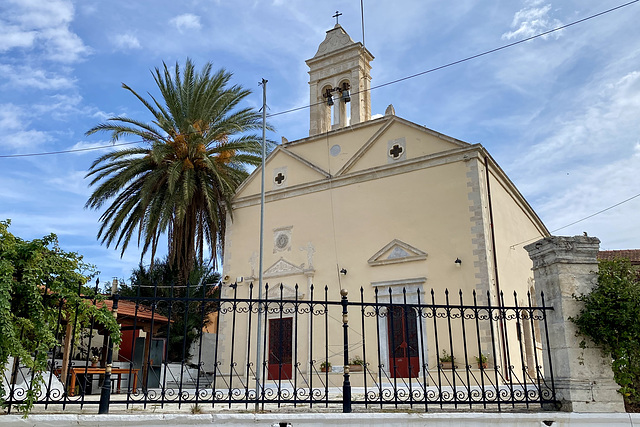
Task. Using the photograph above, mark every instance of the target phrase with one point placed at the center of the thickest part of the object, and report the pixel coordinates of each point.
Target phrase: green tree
(40, 285)
(182, 179)
(159, 283)
(611, 319)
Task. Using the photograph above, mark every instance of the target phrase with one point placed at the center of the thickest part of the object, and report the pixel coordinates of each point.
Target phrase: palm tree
(182, 179)
(187, 317)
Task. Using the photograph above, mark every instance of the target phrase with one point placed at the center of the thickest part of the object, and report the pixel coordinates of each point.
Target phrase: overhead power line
(412, 76)
(469, 58)
(76, 150)
(581, 219)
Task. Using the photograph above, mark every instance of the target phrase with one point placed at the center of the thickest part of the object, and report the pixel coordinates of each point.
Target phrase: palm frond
(181, 184)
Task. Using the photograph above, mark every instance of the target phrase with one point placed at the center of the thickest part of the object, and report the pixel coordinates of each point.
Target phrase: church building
(379, 204)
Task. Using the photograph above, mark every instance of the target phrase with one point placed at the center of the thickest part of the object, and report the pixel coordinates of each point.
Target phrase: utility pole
(264, 155)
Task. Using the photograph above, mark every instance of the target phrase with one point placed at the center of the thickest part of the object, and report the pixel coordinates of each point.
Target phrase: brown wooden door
(280, 348)
(403, 342)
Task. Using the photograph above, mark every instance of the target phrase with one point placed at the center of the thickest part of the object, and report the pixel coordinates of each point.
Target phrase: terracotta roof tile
(632, 255)
(128, 309)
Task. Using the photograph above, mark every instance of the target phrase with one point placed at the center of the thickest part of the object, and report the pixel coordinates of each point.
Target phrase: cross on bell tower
(337, 15)
(339, 64)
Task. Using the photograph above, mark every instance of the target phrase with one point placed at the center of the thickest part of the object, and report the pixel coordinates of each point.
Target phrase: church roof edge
(378, 120)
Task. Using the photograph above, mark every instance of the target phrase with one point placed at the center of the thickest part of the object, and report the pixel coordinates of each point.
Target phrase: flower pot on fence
(355, 368)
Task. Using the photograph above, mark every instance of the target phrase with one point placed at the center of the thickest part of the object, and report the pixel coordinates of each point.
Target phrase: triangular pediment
(414, 142)
(336, 39)
(283, 291)
(283, 268)
(397, 251)
(298, 171)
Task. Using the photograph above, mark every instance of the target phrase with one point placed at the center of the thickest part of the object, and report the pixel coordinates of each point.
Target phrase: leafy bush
(41, 285)
(611, 319)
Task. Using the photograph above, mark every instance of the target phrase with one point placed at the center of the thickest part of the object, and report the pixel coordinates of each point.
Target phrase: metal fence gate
(402, 349)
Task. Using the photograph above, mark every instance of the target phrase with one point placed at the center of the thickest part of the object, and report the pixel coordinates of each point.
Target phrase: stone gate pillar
(564, 267)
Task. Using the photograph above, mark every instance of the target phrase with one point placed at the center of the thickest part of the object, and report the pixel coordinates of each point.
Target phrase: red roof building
(632, 255)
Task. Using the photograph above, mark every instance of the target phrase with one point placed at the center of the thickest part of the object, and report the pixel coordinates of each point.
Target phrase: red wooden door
(403, 342)
(280, 351)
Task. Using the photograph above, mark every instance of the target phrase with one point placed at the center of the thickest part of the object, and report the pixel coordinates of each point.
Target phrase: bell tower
(339, 83)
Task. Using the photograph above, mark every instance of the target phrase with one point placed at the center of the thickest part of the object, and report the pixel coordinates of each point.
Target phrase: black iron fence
(294, 348)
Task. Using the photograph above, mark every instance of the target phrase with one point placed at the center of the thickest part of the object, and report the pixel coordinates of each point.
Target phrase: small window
(396, 151)
(279, 178)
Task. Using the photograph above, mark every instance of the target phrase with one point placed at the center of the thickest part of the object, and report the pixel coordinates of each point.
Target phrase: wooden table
(89, 370)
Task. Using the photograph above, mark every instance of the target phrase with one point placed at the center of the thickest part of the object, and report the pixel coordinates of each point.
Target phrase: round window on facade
(282, 241)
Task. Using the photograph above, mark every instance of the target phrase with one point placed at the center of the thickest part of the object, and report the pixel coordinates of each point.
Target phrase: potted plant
(446, 360)
(325, 366)
(94, 360)
(482, 361)
(95, 356)
(356, 364)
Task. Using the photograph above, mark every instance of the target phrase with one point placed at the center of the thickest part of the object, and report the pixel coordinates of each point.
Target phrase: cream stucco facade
(390, 202)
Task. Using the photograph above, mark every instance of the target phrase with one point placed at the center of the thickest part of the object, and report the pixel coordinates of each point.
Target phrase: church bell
(345, 96)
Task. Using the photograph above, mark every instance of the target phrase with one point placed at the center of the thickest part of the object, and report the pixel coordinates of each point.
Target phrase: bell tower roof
(336, 38)
(340, 68)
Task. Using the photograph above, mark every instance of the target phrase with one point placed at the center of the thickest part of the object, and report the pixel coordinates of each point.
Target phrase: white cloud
(13, 37)
(60, 222)
(531, 20)
(26, 76)
(42, 25)
(102, 115)
(42, 13)
(14, 127)
(587, 162)
(10, 118)
(73, 182)
(63, 45)
(187, 21)
(598, 127)
(12, 191)
(60, 106)
(126, 41)
(26, 140)
(91, 147)
(592, 190)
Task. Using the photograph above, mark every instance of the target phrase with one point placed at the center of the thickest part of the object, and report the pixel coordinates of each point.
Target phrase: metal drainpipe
(495, 266)
(105, 392)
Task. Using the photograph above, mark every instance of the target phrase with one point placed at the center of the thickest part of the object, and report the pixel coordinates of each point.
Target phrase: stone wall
(564, 267)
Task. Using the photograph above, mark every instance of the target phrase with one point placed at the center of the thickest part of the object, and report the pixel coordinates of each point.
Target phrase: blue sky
(560, 114)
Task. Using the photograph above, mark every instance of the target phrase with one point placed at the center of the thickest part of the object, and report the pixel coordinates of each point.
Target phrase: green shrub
(40, 284)
(611, 320)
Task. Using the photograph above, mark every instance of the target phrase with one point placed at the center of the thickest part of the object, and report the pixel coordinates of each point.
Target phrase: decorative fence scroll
(392, 348)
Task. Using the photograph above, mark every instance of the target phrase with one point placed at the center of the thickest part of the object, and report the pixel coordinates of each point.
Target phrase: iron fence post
(346, 384)
(105, 392)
